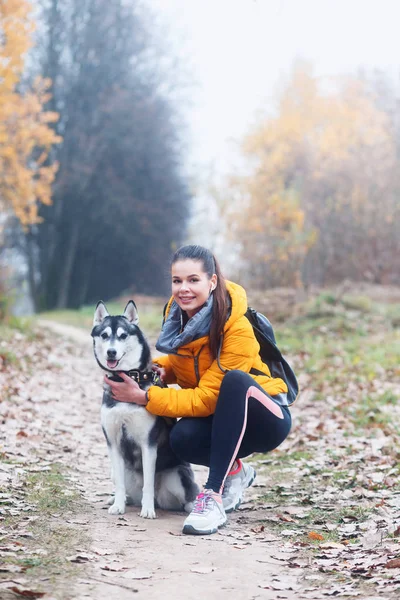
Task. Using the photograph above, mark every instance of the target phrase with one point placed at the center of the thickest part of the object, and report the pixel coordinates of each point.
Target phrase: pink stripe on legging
(266, 401)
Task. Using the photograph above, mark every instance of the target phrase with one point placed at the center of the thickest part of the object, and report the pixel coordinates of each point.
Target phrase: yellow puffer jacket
(200, 377)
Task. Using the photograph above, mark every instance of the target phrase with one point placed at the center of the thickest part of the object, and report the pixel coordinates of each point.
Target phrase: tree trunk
(30, 255)
(66, 272)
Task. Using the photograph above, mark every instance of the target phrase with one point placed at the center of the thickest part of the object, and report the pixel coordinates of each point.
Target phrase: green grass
(52, 501)
(375, 412)
(50, 491)
(343, 348)
(12, 325)
(8, 331)
(7, 357)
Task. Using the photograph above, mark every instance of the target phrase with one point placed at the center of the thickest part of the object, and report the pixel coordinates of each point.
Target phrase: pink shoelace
(203, 501)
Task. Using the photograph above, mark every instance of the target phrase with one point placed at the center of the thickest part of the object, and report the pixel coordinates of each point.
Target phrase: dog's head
(118, 342)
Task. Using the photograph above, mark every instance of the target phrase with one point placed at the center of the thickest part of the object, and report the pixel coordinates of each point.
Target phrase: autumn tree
(26, 138)
(318, 202)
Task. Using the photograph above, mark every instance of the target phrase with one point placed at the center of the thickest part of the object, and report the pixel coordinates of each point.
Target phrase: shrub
(5, 298)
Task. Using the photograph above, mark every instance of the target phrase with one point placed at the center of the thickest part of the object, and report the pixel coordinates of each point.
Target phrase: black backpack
(270, 353)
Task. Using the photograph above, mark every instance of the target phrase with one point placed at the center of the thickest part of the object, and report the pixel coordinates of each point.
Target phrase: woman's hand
(161, 372)
(126, 390)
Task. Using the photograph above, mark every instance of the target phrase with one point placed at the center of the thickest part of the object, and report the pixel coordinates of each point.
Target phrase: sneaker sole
(190, 530)
(249, 483)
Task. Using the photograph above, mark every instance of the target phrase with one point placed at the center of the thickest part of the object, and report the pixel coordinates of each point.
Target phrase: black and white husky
(145, 470)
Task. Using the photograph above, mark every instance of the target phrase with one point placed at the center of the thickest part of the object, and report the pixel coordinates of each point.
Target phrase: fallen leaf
(280, 584)
(247, 506)
(136, 575)
(25, 534)
(289, 532)
(202, 570)
(9, 568)
(332, 545)
(80, 558)
(77, 521)
(26, 592)
(313, 535)
(101, 551)
(286, 518)
(258, 529)
(114, 568)
(393, 564)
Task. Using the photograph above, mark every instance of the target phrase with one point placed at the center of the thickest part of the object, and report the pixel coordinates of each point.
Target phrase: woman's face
(191, 286)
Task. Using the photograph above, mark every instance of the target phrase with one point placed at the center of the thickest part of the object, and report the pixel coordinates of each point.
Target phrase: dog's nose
(111, 353)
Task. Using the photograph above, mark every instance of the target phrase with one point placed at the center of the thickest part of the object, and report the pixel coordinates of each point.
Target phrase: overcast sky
(240, 51)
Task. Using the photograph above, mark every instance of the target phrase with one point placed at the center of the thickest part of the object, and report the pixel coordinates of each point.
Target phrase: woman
(227, 411)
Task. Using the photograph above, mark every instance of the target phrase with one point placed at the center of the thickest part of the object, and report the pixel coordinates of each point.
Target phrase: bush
(5, 296)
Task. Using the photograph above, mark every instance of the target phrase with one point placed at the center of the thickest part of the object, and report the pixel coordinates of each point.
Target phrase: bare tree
(120, 199)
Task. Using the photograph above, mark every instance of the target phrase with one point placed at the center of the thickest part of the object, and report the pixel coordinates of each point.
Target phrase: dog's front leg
(117, 462)
(149, 457)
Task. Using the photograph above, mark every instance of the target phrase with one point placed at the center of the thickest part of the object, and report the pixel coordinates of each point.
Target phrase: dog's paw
(188, 507)
(117, 509)
(148, 512)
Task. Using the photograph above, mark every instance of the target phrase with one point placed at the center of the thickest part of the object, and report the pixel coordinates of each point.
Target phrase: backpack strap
(221, 341)
(254, 371)
(163, 313)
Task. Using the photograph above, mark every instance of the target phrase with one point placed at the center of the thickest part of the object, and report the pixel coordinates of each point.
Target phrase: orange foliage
(25, 135)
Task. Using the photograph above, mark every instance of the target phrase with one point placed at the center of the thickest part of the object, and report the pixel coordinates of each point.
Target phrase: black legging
(246, 420)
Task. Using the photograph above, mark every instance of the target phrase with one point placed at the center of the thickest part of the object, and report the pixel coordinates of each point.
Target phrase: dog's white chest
(136, 420)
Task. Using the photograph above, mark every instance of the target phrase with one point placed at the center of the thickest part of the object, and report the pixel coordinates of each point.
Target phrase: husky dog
(145, 470)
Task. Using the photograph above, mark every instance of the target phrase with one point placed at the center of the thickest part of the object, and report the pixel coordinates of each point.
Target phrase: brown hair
(220, 305)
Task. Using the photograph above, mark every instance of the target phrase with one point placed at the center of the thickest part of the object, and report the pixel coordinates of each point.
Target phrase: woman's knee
(234, 380)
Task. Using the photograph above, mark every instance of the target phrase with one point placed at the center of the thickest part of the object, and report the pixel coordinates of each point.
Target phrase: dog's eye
(104, 336)
(123, 336)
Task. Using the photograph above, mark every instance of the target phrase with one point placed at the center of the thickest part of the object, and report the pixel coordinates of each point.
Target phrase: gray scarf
(172, 336)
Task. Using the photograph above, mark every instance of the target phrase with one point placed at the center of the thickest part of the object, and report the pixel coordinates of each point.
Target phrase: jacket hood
(238, 298)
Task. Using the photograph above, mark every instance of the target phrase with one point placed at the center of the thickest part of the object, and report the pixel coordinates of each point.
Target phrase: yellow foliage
(311, 160)
(25, 135)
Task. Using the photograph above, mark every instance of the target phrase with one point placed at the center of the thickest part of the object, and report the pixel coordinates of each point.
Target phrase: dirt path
(130, 557)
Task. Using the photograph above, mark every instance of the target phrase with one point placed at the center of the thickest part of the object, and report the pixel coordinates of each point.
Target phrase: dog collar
(141, 377)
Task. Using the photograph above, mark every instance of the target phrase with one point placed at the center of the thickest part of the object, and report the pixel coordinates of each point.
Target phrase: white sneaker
(207, 515)
(235, 484)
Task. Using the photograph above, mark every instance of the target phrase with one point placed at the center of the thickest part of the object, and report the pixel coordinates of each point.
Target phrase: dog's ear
(131, 312)
(100, 313)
